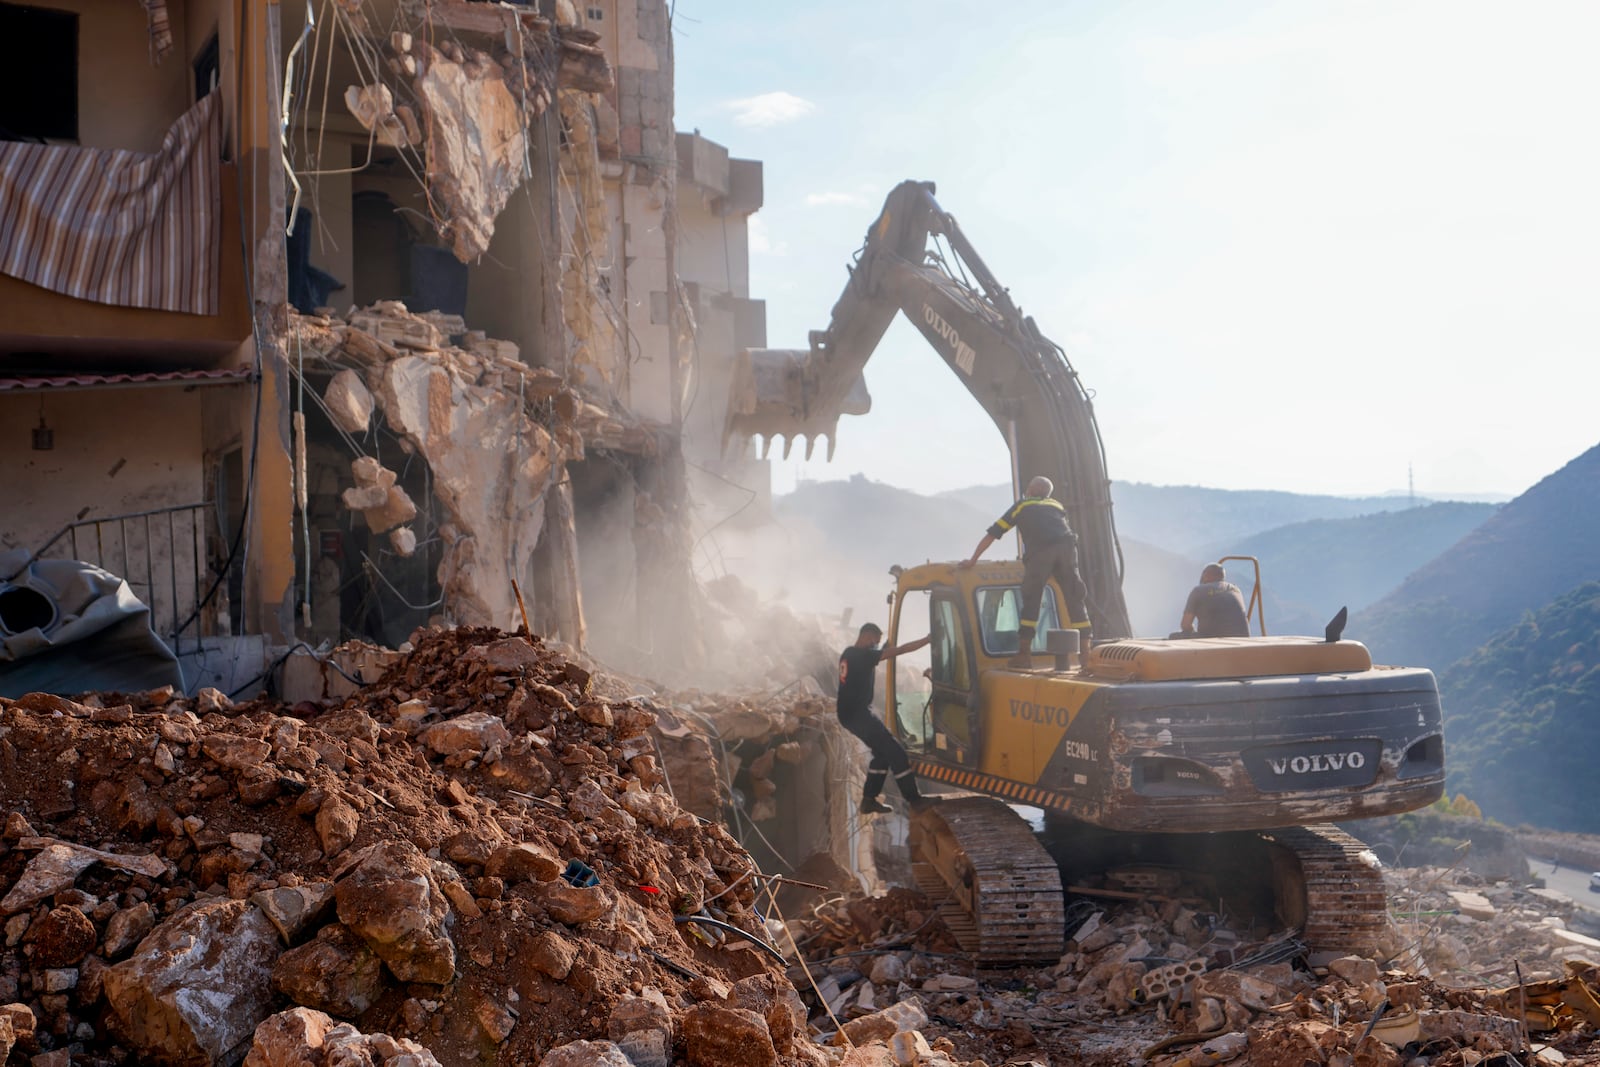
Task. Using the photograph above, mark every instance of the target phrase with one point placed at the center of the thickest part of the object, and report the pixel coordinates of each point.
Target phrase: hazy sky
(1297, 246)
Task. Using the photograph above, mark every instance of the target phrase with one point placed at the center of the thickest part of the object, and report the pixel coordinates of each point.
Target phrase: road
(1569, 880)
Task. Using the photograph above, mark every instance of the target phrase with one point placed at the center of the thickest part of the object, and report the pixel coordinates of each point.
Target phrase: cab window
(911, 671)
(949, 646)
(1000, 611)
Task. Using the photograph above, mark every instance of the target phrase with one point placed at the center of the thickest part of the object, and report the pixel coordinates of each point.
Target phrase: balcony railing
(161, 554)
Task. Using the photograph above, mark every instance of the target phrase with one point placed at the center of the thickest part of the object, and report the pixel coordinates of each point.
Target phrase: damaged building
(418, 296)
(326, 324)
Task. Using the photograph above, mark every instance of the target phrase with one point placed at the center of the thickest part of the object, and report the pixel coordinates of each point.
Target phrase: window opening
(949, 647)
(207, 68)
(39, 81)
(913, 685)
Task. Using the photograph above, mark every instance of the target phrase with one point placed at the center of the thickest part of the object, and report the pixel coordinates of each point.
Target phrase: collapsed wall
(496, 435)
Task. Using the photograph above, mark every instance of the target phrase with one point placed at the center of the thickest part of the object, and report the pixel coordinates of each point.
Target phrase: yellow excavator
(1226, 759)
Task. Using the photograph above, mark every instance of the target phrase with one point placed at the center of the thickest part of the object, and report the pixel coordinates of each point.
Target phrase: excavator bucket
(771, 396)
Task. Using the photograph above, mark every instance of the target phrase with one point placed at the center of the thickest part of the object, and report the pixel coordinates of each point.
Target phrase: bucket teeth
(774, 393)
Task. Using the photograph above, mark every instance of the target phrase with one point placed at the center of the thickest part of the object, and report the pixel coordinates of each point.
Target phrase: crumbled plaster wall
(492, 466)
(476, 135)
(588, 307)
(467, 413)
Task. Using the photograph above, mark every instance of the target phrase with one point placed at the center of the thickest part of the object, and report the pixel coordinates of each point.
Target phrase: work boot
(874, 806)
(1023, 660)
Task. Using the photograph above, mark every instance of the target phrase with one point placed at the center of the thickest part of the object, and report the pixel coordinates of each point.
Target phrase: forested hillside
(1531, 551)
(1522, 718)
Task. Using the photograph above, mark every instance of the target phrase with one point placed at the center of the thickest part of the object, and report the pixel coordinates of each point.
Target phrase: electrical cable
(397, 594)
(264, 675)
(705, 920)
(806, 970)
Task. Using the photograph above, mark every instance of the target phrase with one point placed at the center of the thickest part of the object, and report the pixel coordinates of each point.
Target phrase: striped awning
(133, 229)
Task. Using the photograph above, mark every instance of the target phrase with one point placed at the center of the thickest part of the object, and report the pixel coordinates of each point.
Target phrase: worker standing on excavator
(858, 664)
(1050, 550)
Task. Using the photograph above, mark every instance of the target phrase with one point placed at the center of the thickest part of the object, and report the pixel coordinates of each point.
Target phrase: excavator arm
(915, 260)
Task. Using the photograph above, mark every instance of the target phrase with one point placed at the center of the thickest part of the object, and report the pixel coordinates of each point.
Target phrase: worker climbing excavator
(1162, 766)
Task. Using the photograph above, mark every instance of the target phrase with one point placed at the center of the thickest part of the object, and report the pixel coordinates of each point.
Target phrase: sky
(1335, 247)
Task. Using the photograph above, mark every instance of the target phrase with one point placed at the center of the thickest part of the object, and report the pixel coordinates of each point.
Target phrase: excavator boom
(915, 260)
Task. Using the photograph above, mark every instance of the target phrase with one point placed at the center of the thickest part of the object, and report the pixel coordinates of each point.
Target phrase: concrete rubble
(1142, 982)
(476, 858)
(471, 860)
(475, 90)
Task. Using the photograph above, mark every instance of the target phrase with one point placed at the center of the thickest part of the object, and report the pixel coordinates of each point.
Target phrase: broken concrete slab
(58, 866)
(198, 985)
(349, 402)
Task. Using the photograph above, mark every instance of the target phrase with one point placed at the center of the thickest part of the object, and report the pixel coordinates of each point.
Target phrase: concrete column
(560, 527)
(269, 581)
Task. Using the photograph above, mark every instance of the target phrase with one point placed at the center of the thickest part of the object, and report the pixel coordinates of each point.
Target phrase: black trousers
(1058, 561)
(887, 753)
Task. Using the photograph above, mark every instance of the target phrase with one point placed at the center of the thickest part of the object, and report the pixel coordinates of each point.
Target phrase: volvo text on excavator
(1221, 760)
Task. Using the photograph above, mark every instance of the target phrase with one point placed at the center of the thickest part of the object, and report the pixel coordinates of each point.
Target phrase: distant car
(1594, 882)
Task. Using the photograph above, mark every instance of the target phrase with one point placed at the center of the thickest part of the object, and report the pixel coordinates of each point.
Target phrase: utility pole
(1411, 485)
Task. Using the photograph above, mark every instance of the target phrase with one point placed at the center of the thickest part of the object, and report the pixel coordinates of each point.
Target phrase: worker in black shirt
(1050, 549)
(857, 667)
(1216, 605)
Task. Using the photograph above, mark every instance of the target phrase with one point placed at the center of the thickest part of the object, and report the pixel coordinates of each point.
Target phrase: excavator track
(1000, 892)
(995, 886)
(1345, 906)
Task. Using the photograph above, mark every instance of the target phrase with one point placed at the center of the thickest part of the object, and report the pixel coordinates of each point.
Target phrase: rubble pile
(469, 861)
(855, 925)
(1464, 928)
(1155, 981)
(477, 859)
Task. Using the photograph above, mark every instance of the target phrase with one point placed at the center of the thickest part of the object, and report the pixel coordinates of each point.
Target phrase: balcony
(119, 219)
(38, 321)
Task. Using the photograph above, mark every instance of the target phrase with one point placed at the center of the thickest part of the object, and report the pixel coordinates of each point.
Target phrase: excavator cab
(972, 617)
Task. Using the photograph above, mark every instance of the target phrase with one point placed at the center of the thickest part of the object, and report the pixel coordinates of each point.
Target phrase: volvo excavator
(1158, 763)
